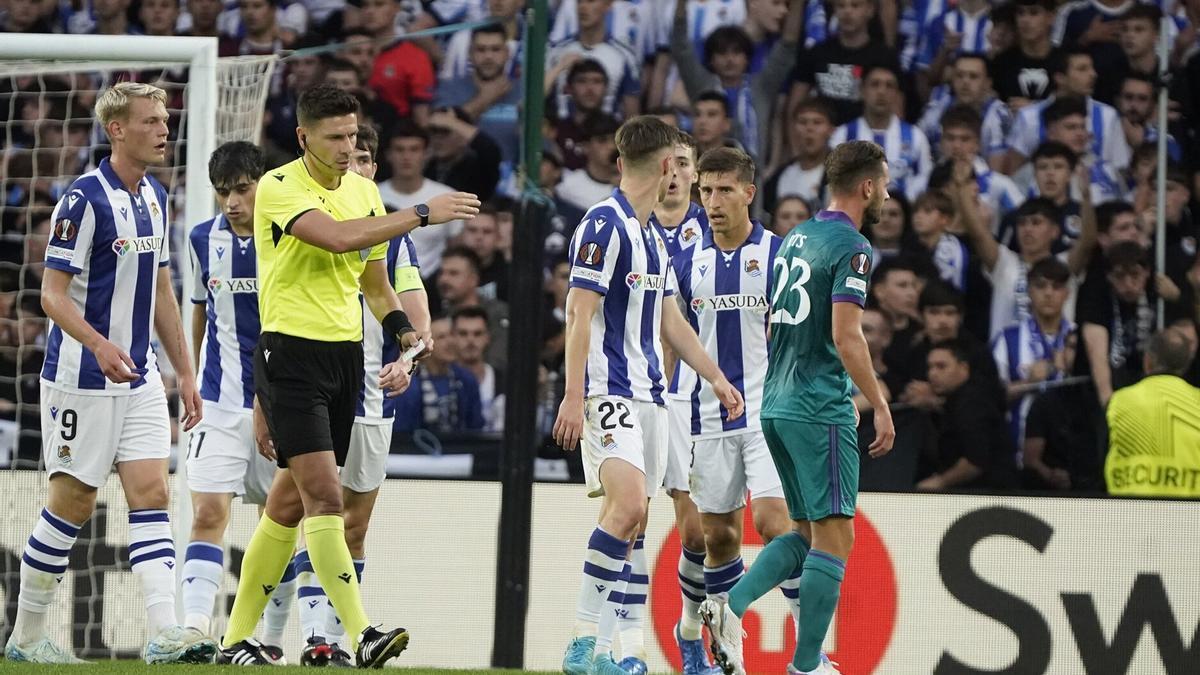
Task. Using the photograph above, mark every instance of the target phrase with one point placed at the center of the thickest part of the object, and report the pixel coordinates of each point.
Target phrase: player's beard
(874, 210)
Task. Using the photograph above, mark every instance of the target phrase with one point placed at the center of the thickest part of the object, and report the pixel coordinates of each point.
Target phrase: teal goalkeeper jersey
(822, 261)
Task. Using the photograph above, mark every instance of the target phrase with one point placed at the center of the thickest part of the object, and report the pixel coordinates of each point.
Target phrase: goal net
(48, 137)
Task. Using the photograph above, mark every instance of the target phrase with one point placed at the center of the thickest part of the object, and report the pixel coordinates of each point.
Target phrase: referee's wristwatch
(422, 213)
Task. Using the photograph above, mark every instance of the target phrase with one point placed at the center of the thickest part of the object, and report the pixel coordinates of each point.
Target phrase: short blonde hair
(114, 102)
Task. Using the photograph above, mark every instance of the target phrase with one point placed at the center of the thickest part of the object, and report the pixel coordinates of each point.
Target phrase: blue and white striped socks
(43, 564)
(152, 560)
(603, 564)
(631, 623)
(718, 580)
(311, 597)
(791, 591)
(691, 587)
(279, 607)
(203, 568)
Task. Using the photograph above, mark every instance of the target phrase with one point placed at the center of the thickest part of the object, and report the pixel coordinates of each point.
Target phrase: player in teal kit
(808, 417)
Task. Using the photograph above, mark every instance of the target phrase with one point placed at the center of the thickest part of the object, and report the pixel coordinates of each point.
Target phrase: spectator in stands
(812, 127)
(960, 142)
(961, 30)
(158, 17)
(1065, 119)
(22, 16)
(622, 66)
(973, 450)
(444, 396)
(630, 21)
(402, 75)
(971, 86)
(457, 286)
(201, 18)
(728, 54)
(834, 67)
(1137, 101)
(489, 97)
(586, 84)
(1060, 442)
(343, 75)
(790, 211)
(1117, 324)
(1053, 165)
(895, 288)
(463, 156)
(261, 31)
(893, 230)
(473, 339)
(878, 332)
(557, 285)
(1039, 225)
(595, 181)
(1022, 73)
(405, 152)
(566, 216)
(1034, 351)
(1096, 26)
(481, 234)
(933, 212)
(703, 17)
(1074, 77)
(908, 154)
(712, 125)
(1182, 235)
(456, 62)
(1154, 427)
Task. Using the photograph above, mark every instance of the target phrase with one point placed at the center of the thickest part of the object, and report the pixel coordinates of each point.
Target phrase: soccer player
(819, 288)
(221, 458)
(724, 282)
(107, 286)
(323, 232)
(682, 223)
(370, 437)
(619, 306)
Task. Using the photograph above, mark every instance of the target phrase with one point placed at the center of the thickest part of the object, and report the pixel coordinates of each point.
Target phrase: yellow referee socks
(326, 539)
(266, 558)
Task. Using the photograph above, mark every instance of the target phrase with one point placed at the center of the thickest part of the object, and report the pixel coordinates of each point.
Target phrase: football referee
(323, 234)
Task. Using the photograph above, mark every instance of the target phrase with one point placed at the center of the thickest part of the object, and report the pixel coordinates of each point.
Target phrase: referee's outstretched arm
(319, 229)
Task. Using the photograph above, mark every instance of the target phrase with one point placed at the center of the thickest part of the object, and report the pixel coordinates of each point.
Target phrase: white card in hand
(413, 351)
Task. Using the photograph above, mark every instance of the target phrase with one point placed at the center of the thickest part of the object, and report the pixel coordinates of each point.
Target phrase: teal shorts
(818, 464)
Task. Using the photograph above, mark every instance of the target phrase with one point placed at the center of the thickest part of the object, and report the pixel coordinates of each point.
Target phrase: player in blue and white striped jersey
(908, 152)
(107, 286)
(619, 308)
(725, 283)
(682, 224)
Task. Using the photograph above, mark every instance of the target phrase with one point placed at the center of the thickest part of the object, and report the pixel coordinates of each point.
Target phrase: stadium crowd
(1014, 289)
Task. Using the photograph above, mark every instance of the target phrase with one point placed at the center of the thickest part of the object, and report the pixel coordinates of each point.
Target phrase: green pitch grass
(131, 667)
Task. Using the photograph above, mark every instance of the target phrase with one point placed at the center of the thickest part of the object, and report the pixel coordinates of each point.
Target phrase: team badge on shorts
(752, 268)
(860, 263)
(607, 442)
(64, 455)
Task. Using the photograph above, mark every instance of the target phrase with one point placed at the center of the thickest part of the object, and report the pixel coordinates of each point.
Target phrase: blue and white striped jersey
(613, 255)
(226, 281)
(623, 67)
(907, 150)
(726, 293)
(997, 119)
(915, 19)
(975, 31)
(630, 21)
(702, 19)
(1015, 349)
(1103, 121)
(998, 190)
(113, 241)
(379, 347)
(681, 238)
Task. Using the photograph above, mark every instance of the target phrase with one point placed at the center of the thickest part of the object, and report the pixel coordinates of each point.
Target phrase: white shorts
(84, 435)
(724, 468)
(679, 446)
(223, 458)
(635, 431)
(366, 461)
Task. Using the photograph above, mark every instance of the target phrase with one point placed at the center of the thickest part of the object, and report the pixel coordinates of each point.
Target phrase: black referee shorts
(309, 392)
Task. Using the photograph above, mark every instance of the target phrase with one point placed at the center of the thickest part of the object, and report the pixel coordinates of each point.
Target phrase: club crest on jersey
(860, 263)
(607, 442)
(689, 234)
(64, 455)
(64, 230)
(154, 210)
(752, 268)
(591, 254)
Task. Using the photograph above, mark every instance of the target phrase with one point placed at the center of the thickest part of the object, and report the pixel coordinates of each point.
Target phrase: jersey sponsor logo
(860, 263)
(138, 245)
(856, 284)
(752, 268)
(65, 230)
(591, 254)
(235, 285)
(725, 303)
(647, 282)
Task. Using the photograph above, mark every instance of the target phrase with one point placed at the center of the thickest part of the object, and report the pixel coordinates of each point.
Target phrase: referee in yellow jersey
(322, 234)
(1154, 426)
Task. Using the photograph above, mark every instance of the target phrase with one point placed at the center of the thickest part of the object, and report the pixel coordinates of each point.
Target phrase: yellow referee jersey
(305, 291)
(1154, 439)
